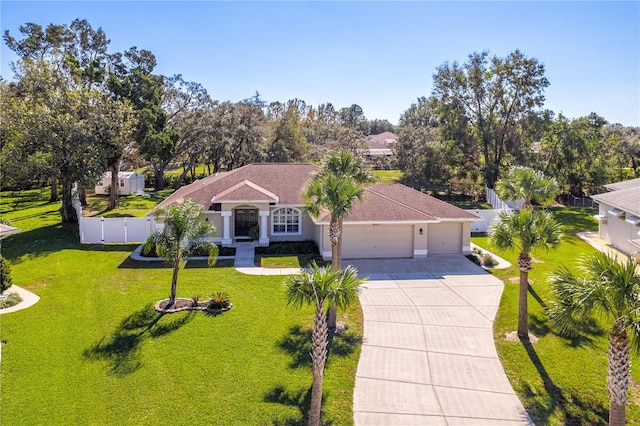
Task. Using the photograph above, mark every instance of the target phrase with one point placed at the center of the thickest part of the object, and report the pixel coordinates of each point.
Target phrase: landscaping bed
(288, 254)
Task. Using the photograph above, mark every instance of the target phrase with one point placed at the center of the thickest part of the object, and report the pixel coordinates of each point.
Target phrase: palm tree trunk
(319, 357)
(335, 235)
(174, 282)
(524, 263)
(618, 377)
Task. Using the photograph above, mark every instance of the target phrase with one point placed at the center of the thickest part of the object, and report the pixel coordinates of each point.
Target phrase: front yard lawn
(559, 380)
(93, 351)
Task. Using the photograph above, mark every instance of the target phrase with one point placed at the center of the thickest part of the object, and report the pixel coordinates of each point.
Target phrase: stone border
(137, 255)
(157, 307)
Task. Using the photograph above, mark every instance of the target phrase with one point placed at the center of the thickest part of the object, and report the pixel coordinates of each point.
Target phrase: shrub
(195, 299)
(11, 300)
(488, 260)
(5, 275)
(474, 258)
(220, 300)
(149, 249)
(290, 247)
(254, 232)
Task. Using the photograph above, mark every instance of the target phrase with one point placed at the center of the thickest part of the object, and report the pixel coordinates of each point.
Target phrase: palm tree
(338, 185)
(318, 286)
(528, 184)
(525, 231)
(610, 289)
(184, 230)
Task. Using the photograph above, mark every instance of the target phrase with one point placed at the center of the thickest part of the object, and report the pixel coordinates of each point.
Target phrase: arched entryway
(245, 218)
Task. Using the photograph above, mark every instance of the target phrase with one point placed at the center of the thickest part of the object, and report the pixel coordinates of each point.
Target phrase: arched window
(286, 220)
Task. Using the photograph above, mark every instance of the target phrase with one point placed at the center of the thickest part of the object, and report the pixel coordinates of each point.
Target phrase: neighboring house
(619, 215)
(128, 183)
(391, 221)
(380, 145)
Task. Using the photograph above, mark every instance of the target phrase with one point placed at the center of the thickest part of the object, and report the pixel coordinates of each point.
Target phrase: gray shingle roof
(627, 200)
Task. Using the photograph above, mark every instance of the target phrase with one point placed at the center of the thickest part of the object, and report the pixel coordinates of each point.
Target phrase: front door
(245, 219)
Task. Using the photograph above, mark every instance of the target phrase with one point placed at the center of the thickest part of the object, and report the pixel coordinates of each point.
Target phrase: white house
(619, 215)
(128, 183)
(391, 221)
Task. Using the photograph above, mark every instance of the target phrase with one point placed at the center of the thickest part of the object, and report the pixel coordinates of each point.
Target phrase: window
(286, 221)
(121, 182)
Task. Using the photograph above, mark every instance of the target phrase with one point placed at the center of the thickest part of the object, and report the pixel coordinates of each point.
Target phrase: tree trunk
(524, 262)
(115, 185)
(618, 377)
(158, 173)
(335, 235)
(69, 214)
(82, 195)
(54, 190)
(319, 357)
(174, 281)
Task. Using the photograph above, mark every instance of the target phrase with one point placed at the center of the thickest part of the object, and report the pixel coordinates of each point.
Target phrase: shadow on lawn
(574, 410)
(122, 348)
(297, 343)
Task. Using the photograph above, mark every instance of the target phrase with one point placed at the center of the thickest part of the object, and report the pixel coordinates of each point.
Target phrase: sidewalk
(28, 299)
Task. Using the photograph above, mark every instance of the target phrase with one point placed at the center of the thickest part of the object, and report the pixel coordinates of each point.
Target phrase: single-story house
(391, 221)
(128, 183)
(619, 215)
(380, 145)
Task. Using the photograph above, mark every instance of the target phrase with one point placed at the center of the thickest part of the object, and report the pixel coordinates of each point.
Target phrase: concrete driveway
(428, 356)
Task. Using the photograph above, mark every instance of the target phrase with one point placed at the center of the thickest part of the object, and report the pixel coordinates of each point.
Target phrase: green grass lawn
(93, 351)
(388, 176)
(559, 380)
(130, 205)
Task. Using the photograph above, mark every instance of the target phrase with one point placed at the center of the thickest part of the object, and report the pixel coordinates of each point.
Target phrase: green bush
(254, 232)
(488, 260)
(149, 249)
(12, 300)
(220, 300)
(474, 258)
(290, 247)
(5, 275)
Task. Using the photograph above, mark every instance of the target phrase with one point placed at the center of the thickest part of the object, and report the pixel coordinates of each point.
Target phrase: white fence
(488, 217)
(125, 230)
(497, 203)
(101, 230)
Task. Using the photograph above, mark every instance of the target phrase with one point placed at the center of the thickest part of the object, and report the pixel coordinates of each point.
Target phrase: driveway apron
(428, 356)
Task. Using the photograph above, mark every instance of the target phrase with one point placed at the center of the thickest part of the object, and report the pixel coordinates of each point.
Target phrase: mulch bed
(182, 304)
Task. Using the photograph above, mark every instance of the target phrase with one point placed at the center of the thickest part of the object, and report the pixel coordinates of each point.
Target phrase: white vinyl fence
(125, 230)
(497, 203)
(488, 217)
(101, 230)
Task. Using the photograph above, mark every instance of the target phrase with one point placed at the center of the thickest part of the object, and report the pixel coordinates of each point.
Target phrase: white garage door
(444, 238)
(367, 241)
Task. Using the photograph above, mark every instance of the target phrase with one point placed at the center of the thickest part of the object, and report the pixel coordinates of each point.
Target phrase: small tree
(611, 290)
(525, 231)
(5, 275)
(528, 184)
(184, 229)
(319, 286)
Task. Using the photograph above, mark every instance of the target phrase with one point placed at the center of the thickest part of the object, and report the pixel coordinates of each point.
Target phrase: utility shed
(128, 183)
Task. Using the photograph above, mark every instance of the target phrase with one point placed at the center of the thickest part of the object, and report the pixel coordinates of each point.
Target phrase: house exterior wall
(420, 240)
(308, 231)
(616, 231)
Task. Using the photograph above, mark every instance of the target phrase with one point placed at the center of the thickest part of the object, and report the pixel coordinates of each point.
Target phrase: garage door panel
(444, 238)
(371, 241)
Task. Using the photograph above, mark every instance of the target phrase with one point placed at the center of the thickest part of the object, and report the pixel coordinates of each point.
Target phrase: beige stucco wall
(215, 219)
(617, 231)
(308, 229)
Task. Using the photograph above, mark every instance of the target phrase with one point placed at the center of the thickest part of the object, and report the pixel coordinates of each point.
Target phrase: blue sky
(380, 55)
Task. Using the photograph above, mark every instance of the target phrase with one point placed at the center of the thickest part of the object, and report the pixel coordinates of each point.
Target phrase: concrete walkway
(244, 261)
(28, 299)
(428, 356)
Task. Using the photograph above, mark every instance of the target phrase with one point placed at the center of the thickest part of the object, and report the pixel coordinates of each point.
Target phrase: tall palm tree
(319, 286)
(525, 231)
(184, 230)
(610, 289)
(338, 185)
(528, 184)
